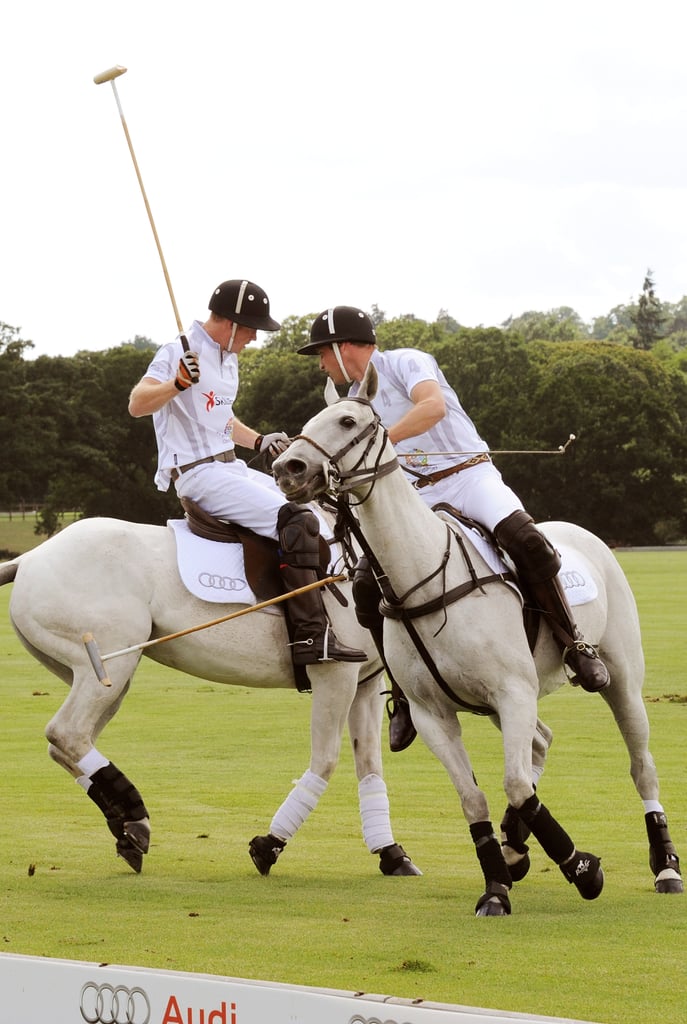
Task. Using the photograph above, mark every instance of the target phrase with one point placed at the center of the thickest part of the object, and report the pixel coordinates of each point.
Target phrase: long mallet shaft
(109, 76)
(97, 659)
(561, 450)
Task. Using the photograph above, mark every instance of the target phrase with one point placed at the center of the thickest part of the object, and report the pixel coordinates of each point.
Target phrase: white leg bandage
(374, 813)
(652, 807)
(92, 762)
(300, 802)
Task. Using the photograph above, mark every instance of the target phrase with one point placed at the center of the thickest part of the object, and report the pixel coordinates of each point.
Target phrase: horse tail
(8, 571)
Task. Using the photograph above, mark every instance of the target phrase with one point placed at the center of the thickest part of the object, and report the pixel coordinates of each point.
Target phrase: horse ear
(369, 383)
(331, 395)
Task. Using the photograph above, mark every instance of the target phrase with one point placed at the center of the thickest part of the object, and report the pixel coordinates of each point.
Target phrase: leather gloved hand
(272, 444)
(188, 372)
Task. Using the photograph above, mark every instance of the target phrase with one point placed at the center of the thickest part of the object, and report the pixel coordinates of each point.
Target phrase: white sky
(482, 156)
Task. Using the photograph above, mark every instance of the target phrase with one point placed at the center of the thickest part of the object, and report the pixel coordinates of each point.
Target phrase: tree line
(527, 384)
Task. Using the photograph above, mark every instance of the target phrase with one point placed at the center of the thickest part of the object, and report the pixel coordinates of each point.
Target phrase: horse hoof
(264, 851)
(584, 871)
(495, 902)
(393, 860)
(668, 881)
(138, 834)
(130, 854)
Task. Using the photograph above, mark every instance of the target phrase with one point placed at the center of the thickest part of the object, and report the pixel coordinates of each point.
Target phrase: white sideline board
(34, 989)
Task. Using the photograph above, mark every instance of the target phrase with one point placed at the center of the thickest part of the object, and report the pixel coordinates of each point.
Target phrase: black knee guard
(299, 536)
(532, 553)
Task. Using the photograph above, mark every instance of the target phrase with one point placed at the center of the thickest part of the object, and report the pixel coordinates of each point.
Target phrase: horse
(454, 637)
(121, 581)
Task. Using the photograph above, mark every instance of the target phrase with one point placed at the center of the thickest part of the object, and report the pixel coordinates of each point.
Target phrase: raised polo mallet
(109, 76)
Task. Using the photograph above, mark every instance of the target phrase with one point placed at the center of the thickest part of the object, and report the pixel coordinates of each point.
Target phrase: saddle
(261, 562)
(260, 554)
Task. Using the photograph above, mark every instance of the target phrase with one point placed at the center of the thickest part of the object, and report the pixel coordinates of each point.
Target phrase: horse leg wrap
(662, 853)
(374, 813)
(552, 838)
(514, 832)
(299, 804)
(490, 854)
(125, 813)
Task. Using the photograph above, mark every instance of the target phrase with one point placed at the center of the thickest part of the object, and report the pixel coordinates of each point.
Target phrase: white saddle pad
(215, 570)
(578, 583)
(212, 570)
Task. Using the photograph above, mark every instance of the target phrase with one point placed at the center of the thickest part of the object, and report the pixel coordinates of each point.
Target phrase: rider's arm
(149, 395)
(428, 408)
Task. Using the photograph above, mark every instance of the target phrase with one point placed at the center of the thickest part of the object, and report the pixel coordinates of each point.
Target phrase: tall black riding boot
(367, 595)
(299, 549)
(538, 563)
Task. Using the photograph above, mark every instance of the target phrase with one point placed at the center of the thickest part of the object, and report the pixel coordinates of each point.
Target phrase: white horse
(120, 582)
(454, 638)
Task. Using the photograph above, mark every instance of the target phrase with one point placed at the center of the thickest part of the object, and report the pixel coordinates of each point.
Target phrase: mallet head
(109, 75)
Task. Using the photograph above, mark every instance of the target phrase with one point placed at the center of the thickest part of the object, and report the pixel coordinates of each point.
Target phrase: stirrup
(597, 678)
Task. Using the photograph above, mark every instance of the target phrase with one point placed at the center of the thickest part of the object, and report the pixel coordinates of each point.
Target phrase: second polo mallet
(109, 76)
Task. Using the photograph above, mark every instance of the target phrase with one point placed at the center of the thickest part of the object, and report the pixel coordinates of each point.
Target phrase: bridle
(342, 481)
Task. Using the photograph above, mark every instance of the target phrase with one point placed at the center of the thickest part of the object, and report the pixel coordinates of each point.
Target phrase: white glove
(188, 372)
(272, 444)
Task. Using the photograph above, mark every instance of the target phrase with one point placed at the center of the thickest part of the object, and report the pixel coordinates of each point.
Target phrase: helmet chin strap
(337, 355)
(233, 335)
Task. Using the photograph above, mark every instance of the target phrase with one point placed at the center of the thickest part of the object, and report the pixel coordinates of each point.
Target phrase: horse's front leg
(518, 719)
(71, 735)
(333, 691)
(514, 832)
(442, 733)
(364, 727)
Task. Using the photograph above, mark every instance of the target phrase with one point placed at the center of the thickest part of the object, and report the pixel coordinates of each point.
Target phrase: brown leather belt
(432, 478)
(220, 457)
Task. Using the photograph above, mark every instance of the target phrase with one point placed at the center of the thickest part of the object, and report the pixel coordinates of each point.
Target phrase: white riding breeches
(478, 492)
(235, 492)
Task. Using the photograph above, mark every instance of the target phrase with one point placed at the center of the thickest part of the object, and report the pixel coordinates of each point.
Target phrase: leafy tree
(561, 324)
(649, 317)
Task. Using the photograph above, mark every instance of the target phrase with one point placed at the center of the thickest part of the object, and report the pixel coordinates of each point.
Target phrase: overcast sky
(486, 158)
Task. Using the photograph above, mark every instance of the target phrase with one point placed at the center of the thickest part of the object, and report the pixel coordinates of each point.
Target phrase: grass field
(213, 763)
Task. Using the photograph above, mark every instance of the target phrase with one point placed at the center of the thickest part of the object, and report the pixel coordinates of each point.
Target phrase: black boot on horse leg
(125, 813)
(494, 901)
(299, 561)
(366, 596)
(581, 869)
(538, 563)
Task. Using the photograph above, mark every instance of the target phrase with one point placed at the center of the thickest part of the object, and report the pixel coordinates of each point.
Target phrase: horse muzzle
(297, 480)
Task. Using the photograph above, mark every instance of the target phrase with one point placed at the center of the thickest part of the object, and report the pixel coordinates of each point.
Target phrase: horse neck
(406, 537)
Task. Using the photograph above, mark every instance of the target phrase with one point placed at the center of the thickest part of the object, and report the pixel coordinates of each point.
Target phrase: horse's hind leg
(71, 734)
(630, 714)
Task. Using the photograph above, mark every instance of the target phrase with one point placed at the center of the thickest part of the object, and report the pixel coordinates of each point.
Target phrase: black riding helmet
(341, 323)
(243, 303)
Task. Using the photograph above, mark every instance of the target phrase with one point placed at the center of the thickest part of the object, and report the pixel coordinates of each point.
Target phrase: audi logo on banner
(358, 1019)
(113, 1004)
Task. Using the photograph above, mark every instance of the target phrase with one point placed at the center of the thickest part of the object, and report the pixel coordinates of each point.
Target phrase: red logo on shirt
(210, 404)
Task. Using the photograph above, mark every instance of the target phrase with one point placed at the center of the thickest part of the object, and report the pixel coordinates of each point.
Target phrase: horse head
(340, 449)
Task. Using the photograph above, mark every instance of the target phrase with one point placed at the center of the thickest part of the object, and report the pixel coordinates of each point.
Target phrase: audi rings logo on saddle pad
(216, 582)
(113, 1004)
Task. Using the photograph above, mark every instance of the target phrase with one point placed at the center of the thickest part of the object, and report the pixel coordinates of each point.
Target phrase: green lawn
(213, 763)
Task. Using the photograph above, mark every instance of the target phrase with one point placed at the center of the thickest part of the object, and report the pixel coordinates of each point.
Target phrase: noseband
(343, 481)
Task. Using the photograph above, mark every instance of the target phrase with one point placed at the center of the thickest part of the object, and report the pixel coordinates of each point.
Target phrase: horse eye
(348, 422)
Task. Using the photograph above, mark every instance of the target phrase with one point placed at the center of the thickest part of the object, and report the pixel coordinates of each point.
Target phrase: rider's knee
(532, 553)
(299, 535)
